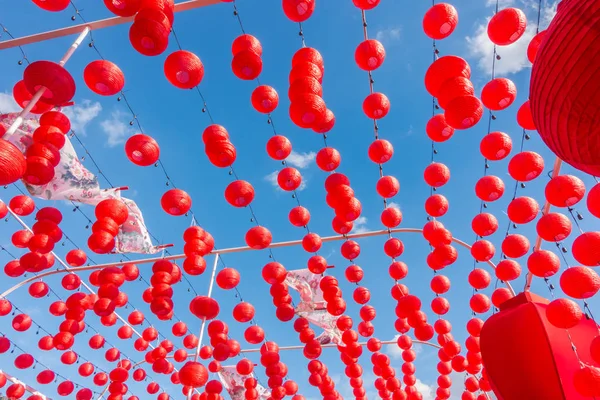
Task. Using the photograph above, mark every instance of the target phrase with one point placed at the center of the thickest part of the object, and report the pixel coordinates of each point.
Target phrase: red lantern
(204, 307)
(52, 5)
(22, 205)
(436, 175)
(436, 205)
(193, 374)
(239, 193)
(442, 69)
(580, 282)
(365, 5)
(176, 202)
(149, 33)
(522, 210)
(484, 224)
(258, 238)
(142, 150)
(464, 112)
(440, 21)
(123, 8)
(543, 263)
(23, 97)
(489, 188)
(243, 312)
(308, 111)
(246, 42)
(564, 190)
(328, 159)
(247, 65)
(438, 129)
(299, 216)
(586, 249)
(388, 186)
(114, 209)
(515, 246)
(554, 227)
(184, 69)
(279, 147)
(24, 361)
(21, 322)
(571, 144)
(265, 99)
(376, 105)
(521, 329)
(326, 124)
(507, 26)
(369, 55)
(453, 88)
(496, 146)
(228, 278)
(289, 179)
(525, 166)
(103, 77)
(57, 120)
(498, 94)
(58, 83)
(391, 217)
(298, 10)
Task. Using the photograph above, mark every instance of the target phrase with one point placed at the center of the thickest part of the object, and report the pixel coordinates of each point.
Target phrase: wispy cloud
(360, 225)
(115, 128)
(393, 350)
(513, 57)
(389, 35)
(8, 103)
(301, 160)
(272, 179)
(394, 205)
(427, 391)
(82, 114)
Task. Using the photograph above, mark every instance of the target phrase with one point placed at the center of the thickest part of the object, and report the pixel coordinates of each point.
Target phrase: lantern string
(301, 34)
(5, 30)
(37, 362)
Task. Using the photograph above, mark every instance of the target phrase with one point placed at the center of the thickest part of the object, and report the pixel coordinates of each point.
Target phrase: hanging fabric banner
(234, 384)
(73, 182)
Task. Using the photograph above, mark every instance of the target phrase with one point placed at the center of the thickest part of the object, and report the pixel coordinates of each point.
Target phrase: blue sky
(174, 118)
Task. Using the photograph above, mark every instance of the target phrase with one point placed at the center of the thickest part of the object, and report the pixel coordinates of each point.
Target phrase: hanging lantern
(22, 97)
(442, 69)
(580, 282)
(239, 193)
(265, 99)
(366, 4)
(525, 118)
(436, 205)
(298, 10)
(489, 188)
(289, 179)
(112, 208)
(495, 146)
(565, 190)
(328, 159)
(543, 263)
(58, 83)
(184, 69)
(176, 202)
(56, 119)
(22, 205)
(49, 134)
(381, 151)
(123, 8)
(498, 94)
(507, 26)
(376, 106)
(326, 124)
(149, 33)
(515, 246)
(142, 150)
(436, 174)
(586, 249)
(279, 147)
(534, 46)
(258, 238)
(388, 186)
(247, 65)
(243, 312)
(438, 129)
(440, 21)
(221, 154)
(369, 55)
(103, 78)
(39, 171)
(307, 111)
(52, 5)
(12, 163)
(553, 227)
(43, 150)
(523, 210)
(521, 335)
(567, 125)
(464, 112)
(526, 166)
(246, 42)
(193, 374)
(453, 88)
(228, 278)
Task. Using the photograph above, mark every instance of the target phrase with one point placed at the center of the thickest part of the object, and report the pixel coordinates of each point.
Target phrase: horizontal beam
(94, 25)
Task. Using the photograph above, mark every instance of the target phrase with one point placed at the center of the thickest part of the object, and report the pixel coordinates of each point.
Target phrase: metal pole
(38, 95)
(545, 210)
(94, 25)
(25, 386)
(235, 250)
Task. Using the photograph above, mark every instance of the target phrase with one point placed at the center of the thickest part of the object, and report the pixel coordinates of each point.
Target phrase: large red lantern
(12, 163)
(369, 55)
(103, 77)
(542, 361)
(565, 118)
(507, 26)
(149, 33)
(184, 69)
(440, 21)
(58, 83)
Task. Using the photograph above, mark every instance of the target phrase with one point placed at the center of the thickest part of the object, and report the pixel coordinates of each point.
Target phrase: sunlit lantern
(498, 94)
(246, 42)
(495, 146)
(247, 65)
(22, 96)
(534, 46)
(265, 99)
(526, 166)
(103, 77)
(376, 105)
(440, 21)
(369, 55)
(258, 238)
(564, 190)
(12, 163)
(507, 26)
(149, 33)
(123, 8)
(176, 202)
(239, 193)
(184, 69)
(464, 112)
(438, 129)
(58, 83)
(142, 150)
(52, 5)
(442, 69)
(298, 10)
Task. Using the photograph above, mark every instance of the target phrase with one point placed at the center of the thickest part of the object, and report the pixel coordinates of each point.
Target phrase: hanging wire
(7, 32)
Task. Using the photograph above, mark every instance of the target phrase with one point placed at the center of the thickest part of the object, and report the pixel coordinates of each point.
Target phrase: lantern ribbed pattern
(103, 77)
(565, 85)
(59, 84)
(184, 69)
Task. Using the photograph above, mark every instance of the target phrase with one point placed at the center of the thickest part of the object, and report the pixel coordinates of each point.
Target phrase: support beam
(94, 25)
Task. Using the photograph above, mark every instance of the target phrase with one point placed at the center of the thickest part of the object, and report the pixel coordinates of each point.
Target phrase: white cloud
(360, 225)
(513, 57)
(394, 205)
(427, 391)
(115, 128)
(272, 179)
(8, 103)
(301, 160)
(388, 35)
(82, 114)
(393, 350)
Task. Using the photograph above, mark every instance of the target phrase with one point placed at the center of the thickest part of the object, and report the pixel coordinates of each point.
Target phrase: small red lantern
(103, 77)
(58, 83)
(376, 105)
(369, 55)
(12, 163)
(498, 94)
(176, 202)
(507, 26)
(247, 65)
(258, 238)
(123, 8)
(142, 150)
(265, 99)
(239, 193)
(184, 69)
(298, 10)
(440, 21)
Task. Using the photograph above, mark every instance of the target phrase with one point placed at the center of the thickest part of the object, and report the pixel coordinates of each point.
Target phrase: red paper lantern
(228, 278)
(507, 26)
(521, 329)
(464, 112)
(246, 42)
(534, 46)
(369, 55)
(365, 5)
(22, 205)
(328, 159)
(489, 188)
(376, 105)
(149, 33)
(308, 111)
(440, 21)
(258, 238)
(58, 83)
(586, 249)
(522, 210)
(52, 5)
(184, 69)
(176, 202)
(553, 69)
(388, 186)
(553, 227)
(498, 94)
(496, 146)
(565, 190)
(103, 77)
(298, 10)
(299, 216)
(484, 224)
(436, 205)
(123, 8)
(436, 174)
(142, 150)
(438, 129)
(23, 97)
(279, 147)
(580, 282)
(515, 246)
(247, 65)
(525, 166)
(239, 193)
(543, 263)
(265, 99)
(56, 119)
(453, 88)
(243, 312)
(442, 69)
(289, 179)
